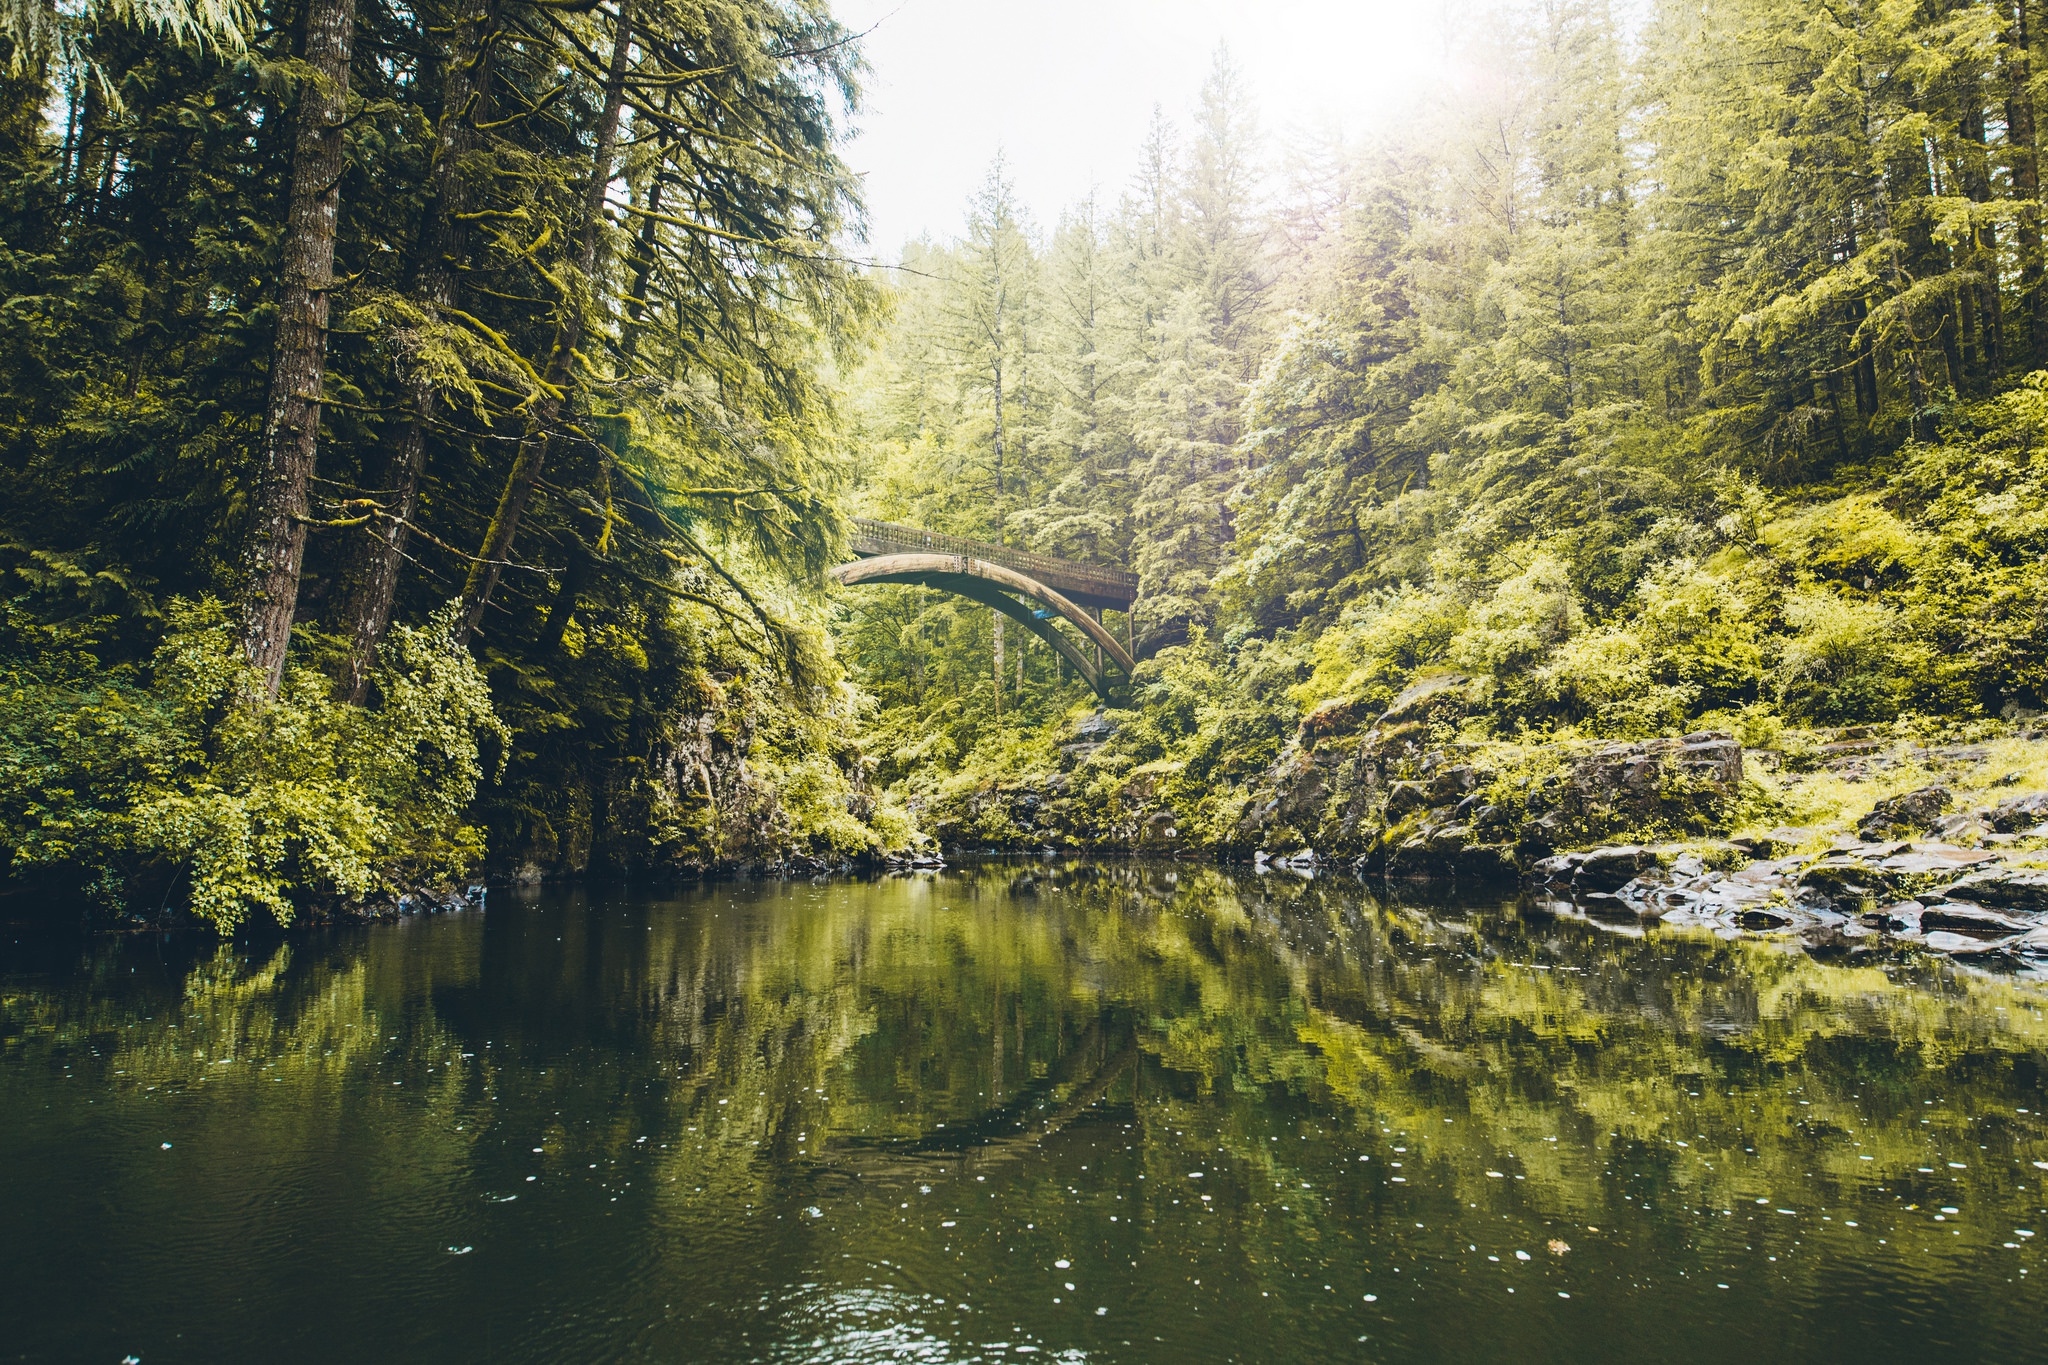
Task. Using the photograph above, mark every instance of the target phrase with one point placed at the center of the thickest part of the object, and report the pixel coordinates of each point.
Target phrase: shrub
(1844, 660)
(1379, 642)
(1510, 635)
(173, 779)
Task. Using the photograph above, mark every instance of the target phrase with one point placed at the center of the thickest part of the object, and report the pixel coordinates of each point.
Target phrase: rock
(1652, 894)
(1901, 918)
(1404, 797)
(1336, 716)
(1610, 869)
(1555, 871)
(1924, 867)
(1962, 945)
(1964, 827)
(1449, 784)
(2013, 888)
(1842, 879)
(1914, 811)
(1967, 919)
(1417, 699)
(1448, 838)
(2020, 813)
(1541, 835)
(1712, 757)
(1484, 863)
(1415, 858)
(1095, 728)
(1780, 841)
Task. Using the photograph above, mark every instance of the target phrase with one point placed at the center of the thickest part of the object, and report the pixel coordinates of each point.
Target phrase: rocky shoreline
(1945, 897)
(1629, 833)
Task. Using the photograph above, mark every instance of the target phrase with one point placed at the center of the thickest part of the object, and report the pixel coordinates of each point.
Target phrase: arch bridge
(1007, 580)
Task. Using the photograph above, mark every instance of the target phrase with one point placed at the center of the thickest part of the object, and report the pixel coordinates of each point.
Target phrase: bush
(171, 779)
(1844, 660)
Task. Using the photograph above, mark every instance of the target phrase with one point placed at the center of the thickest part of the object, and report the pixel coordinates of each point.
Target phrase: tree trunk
(94, 135)
(1920, 423)
(372, 574)
(1958, 353)
(298, 366)
(2026, 184)
(1982, 309)
(574, 579)
(503, 530)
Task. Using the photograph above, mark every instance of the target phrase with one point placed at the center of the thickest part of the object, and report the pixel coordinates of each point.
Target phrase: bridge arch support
(993, 585)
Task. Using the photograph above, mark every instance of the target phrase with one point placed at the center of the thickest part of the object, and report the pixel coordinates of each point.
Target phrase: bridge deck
(1088, 585)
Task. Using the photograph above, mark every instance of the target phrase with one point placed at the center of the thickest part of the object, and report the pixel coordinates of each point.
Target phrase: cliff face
(1389, 792)
(1391, 797)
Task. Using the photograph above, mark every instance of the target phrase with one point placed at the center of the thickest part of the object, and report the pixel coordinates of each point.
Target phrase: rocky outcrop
(1395, 800)
(1080, 808)
(1914, 813)
(1628, 830)
(1856, 895)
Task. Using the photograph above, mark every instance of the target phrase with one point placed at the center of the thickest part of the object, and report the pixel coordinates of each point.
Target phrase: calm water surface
(1066, 1112)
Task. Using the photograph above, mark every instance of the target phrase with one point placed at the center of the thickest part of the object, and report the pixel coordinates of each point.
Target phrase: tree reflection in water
(896, 1119)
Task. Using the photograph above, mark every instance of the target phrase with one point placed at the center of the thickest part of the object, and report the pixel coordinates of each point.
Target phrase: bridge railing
(872, 537)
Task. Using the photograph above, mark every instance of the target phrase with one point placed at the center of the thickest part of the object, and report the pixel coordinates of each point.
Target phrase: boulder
(1913, 812)
(1924, 867)
(1901, 918)
(1961, 918)
(1095, 728)
(1449, 784)
(1406, 797)
(1711, 757)
(1778, 842)
(1609, 869)
(2009, 888)
(1962, 945)
(1483, 863)
(1416, 700)
(1336, 716)
(1843, 879)
(2020, 813)
(1963, 827)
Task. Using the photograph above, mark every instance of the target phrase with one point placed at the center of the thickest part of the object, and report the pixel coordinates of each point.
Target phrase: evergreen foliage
(565, 369)
(1653, 380)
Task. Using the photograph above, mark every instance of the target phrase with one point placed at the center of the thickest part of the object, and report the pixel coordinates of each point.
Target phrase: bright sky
(1066, 88)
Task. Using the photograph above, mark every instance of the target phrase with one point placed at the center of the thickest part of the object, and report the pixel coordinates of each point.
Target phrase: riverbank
(1910, 833)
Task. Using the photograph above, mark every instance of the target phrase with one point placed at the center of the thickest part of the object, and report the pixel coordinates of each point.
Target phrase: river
(1061, 1111)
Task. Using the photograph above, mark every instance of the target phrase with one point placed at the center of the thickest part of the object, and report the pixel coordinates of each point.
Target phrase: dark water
(1072, 1113)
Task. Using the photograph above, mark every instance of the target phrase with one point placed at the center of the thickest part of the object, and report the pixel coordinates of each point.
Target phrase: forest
(1682, 379)
(426, 430)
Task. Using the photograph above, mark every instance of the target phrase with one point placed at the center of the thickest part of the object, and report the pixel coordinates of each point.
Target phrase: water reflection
(1093, 1111)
